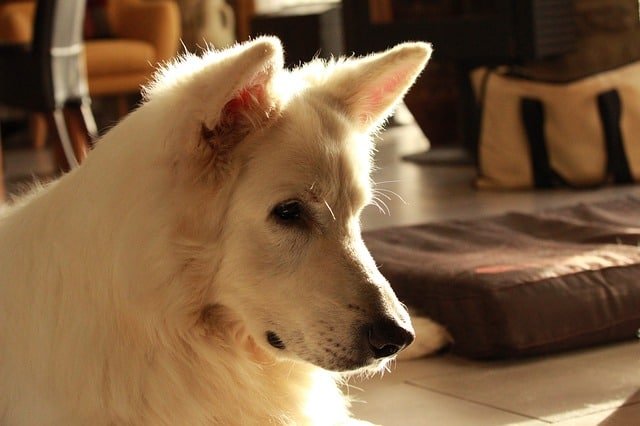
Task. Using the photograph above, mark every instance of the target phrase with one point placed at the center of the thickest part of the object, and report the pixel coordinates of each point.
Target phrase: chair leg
(89, 121)
(122, 105)
(3, 191)
(38, 129)
(78, 131)
(64, 138)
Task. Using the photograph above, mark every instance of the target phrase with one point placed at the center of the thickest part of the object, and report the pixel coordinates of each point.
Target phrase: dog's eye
(289, 212)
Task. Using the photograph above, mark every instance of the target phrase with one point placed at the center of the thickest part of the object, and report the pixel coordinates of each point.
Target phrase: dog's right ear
(237, 93)
(223, 96)
(237, 89)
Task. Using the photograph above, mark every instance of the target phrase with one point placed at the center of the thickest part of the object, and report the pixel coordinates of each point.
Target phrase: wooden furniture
(3, 191)
(244, 10)
(495, 31)
(48, 75)
(465, 34)
(320, 25)
(142, 33)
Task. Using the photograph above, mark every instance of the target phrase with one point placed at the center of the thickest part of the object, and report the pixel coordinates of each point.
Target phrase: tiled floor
(599, 386)
(592, 387)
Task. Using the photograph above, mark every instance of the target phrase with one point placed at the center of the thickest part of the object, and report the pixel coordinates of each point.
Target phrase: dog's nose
(387, 337)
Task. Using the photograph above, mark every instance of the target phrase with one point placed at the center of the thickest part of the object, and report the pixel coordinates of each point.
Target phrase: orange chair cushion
(16, 22)
(118, 56)
(117, 84)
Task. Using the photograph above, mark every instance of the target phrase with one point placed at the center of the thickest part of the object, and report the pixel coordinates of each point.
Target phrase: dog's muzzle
(386, 337)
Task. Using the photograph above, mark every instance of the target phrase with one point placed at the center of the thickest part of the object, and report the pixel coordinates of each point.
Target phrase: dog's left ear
(370, 88)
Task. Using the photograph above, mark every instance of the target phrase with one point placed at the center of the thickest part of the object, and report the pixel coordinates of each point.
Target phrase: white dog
(205, 265)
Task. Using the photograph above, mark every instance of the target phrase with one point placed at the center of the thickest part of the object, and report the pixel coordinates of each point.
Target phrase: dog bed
(522, 284)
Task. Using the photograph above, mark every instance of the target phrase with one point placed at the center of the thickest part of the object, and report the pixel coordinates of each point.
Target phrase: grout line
(478, 402)
(612, 410)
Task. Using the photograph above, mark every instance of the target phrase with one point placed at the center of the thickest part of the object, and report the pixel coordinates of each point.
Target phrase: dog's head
(277, 166)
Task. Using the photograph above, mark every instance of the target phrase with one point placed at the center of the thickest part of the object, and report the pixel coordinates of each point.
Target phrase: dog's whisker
(388, 367)
(379, 193)
(386, 207)
(393, 193)
(330, 211)
(386, 181)
(350, 386)
(374, 202)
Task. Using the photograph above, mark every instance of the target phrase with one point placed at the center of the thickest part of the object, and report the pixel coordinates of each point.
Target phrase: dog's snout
(386, 337)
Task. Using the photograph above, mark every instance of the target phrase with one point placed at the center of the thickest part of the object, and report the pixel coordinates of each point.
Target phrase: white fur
(430, 338)
(138, 288)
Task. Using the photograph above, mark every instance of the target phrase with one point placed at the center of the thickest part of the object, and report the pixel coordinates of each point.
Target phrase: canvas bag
(540, 135)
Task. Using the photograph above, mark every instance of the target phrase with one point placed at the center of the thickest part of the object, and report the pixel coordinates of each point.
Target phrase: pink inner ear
(381, 94)
(248, 108)
(244, 99)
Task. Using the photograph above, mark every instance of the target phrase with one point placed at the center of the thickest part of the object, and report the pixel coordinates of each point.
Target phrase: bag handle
(609, 107)
(532, 115)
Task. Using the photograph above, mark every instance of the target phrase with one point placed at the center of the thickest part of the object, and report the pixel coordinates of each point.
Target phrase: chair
(48, 75)
(142, 33)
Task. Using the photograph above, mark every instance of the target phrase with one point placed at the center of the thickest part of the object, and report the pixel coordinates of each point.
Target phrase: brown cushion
(522, 284)
(119, 56)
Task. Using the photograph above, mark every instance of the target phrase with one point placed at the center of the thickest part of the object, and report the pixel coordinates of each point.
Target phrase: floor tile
(437, 192)
(550, 388)
(402, 404)
(24, 163)
(403, 371)
(629, 415)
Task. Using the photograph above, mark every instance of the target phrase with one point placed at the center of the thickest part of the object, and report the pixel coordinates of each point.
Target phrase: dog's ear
(239, 90)
(224, 96)
(370, 88)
